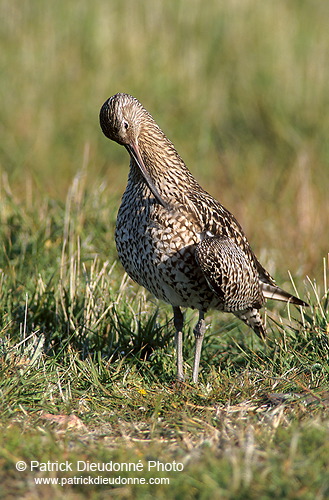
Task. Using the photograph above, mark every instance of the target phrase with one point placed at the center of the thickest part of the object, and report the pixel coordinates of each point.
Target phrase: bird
(176, 240)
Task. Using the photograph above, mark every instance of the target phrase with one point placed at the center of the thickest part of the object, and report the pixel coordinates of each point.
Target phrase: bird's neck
(165, 167)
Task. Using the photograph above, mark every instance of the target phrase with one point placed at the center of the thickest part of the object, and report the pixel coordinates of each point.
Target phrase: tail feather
(270, 290)
(253, 319)
(276, 293)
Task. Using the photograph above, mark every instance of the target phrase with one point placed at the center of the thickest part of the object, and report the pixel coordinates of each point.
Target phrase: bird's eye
(126, 124)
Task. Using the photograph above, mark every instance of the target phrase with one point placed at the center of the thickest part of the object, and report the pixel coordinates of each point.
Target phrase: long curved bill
(133, 150)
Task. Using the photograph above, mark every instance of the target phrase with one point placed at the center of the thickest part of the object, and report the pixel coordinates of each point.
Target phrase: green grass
(87, 358)
(88, 373)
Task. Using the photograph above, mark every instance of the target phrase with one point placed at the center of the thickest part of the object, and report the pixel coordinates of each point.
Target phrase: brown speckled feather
(174, 238)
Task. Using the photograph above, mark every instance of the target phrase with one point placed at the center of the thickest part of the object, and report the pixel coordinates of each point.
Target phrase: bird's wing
(229, 272)
(214, 217)
(231, 241)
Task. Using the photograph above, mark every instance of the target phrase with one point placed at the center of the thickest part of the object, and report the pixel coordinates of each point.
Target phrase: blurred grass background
(240, 87)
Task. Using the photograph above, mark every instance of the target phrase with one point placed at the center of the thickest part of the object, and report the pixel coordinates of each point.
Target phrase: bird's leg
(199, 332)
(178, 322)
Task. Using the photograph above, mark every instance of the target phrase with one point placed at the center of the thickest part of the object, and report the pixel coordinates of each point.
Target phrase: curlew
(175, 239)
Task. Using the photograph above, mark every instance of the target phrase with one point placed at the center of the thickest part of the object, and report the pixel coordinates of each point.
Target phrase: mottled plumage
(174, 238)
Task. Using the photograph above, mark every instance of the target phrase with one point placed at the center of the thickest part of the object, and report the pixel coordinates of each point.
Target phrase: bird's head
(120, 118)
(124, 120)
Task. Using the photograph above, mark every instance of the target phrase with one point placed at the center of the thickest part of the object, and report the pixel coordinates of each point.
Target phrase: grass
(88, 365)
(86, 357)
